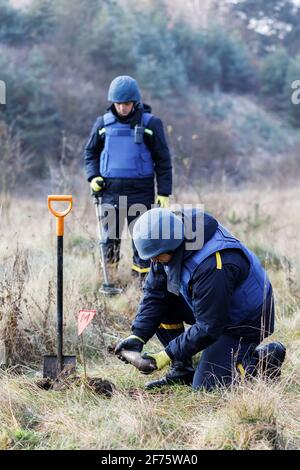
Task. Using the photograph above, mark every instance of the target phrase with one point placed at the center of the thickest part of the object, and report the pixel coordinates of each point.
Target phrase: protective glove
(162, 201)
(162, 359)
(132, 343)
(97, 184)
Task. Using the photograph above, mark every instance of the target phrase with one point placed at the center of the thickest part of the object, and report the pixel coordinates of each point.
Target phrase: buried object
(55, 366)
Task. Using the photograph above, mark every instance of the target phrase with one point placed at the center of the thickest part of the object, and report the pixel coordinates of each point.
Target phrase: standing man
(218, 287)
(127, 148)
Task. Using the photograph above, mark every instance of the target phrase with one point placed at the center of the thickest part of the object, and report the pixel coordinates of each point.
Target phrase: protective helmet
(124, 89)
(157, 231)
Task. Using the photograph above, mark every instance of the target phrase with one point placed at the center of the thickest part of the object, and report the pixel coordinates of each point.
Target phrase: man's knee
(219, 363)
(211, 376)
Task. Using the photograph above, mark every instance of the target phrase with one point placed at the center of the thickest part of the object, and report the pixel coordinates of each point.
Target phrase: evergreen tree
(274, 76)
(39, 20)
(31, 106)
(273, 21)
(160, 67)
(220, 60)
(11, 26)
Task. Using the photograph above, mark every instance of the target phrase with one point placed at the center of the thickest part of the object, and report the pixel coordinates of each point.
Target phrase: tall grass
(253, 415)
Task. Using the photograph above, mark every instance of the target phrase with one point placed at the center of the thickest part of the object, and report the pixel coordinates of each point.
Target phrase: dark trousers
(222, 362)
(115, 213)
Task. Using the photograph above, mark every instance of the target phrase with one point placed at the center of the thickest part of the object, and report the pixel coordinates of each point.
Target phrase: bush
(31, 106)
(274, 73)
(20, 27)
(39, 20)
(128, 40)
(218, 59)
(11, 27)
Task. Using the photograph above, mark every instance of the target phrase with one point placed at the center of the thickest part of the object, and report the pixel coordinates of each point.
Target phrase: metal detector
(107, 288)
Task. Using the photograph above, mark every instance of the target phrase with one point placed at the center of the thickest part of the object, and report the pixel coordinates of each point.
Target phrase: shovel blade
(51, 368)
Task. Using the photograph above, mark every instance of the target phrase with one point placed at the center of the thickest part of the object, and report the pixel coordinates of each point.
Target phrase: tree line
(58, 57)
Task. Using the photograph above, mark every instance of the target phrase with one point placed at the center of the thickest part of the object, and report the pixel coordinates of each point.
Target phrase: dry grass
(251, 416)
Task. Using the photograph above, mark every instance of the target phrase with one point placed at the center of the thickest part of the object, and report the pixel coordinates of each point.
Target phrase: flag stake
(83, 356)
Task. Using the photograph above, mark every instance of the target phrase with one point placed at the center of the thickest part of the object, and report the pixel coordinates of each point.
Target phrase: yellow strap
(219, 260)
(241, 370)
(102, 131)
(139, 270)
(174, 326)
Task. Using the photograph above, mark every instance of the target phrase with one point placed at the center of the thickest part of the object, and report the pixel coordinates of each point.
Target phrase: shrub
(274, 74)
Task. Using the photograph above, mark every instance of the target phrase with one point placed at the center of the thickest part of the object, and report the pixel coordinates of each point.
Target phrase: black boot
(180, 372)
(269, 359)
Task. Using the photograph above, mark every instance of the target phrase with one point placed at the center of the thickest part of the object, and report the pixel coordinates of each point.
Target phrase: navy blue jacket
(212, 293)
(156, 143)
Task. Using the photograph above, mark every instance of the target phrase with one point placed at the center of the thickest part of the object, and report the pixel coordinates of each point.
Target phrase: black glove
(132, 343)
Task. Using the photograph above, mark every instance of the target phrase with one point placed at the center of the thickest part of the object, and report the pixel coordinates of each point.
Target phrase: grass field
(249, 416)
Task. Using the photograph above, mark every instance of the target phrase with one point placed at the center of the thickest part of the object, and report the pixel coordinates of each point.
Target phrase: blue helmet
(124, 89)
(157, 231)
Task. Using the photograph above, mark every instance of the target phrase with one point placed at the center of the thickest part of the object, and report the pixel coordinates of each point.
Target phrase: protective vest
(121, 157)
(250, 296)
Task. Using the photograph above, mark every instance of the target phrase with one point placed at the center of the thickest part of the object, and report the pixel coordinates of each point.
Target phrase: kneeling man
(219, 288)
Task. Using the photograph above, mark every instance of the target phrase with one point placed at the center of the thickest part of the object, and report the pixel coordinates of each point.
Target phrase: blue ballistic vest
(121, 156)
(250, 296)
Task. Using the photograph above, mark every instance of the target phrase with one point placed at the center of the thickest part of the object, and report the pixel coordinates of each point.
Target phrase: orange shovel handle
(60, 215)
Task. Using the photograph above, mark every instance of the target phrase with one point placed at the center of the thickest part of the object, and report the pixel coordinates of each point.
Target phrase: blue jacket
(235, 300)
(155, 143)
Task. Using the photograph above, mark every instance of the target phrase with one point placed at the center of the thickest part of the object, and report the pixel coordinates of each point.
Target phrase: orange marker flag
(84, 319)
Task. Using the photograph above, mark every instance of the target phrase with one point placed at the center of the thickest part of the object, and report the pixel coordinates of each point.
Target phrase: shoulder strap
(146, 118)
(109, 119)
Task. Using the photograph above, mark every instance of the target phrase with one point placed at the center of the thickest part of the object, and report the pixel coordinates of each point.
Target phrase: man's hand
(162, 201)
(97, 184)
(162, 359)
(132, 343)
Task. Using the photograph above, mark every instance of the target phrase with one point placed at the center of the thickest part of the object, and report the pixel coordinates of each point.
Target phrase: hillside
(223, 92)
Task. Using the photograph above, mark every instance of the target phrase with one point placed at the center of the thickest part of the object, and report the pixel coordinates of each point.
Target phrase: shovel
(60, 365)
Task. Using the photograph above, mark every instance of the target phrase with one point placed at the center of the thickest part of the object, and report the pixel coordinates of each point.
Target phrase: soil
(111, 348)
(95, 384)
(101, 387)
